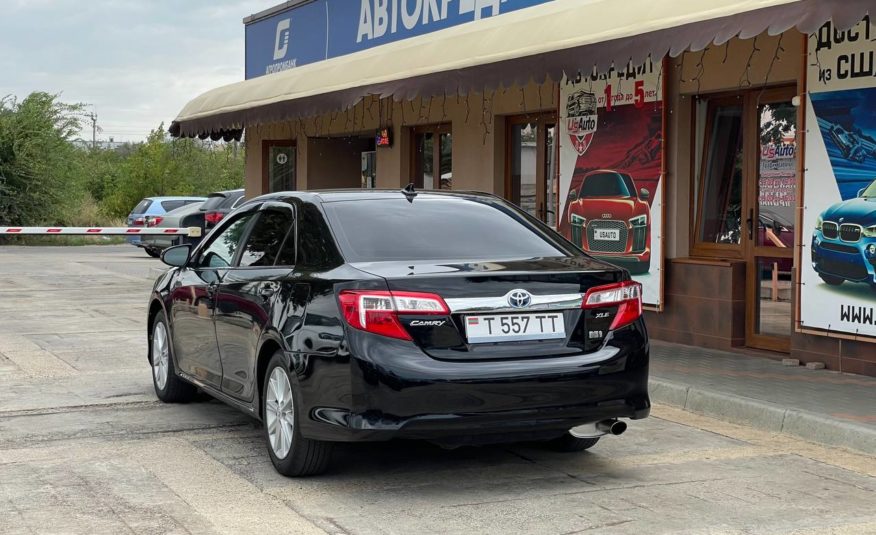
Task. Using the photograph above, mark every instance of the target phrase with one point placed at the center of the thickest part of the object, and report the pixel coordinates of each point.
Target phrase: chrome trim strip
(470, 305)
(518, 338)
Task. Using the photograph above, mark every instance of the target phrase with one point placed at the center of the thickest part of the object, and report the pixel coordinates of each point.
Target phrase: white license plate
(607, 234)
(515, 327)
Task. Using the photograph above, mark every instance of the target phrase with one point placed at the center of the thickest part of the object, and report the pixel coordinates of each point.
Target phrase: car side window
(268, 233)
(220, 253)
(315, 244)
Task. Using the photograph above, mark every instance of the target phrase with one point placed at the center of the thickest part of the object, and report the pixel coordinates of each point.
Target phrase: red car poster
(611, 169)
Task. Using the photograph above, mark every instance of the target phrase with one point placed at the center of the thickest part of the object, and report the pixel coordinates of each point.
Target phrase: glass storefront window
(531, 173)
(721, 201)
(280, 166)
(777, 175)
(773, 297)
(428, 158)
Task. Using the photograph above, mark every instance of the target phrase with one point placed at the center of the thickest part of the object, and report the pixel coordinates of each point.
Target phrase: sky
(135, 63)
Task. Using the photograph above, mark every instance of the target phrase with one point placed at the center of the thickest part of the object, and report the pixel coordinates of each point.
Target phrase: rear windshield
(142, 207)
(233, 201)
(212, 202)
(434, 229)
(221, 201)
(605, 185)
(172, 205)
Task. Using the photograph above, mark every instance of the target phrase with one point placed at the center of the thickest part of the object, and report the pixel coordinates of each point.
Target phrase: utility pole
(93, 117)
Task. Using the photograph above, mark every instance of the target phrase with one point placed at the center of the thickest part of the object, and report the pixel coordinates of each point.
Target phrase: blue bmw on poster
(844, 239)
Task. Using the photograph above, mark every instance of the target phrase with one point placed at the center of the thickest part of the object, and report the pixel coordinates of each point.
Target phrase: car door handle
(268, 289)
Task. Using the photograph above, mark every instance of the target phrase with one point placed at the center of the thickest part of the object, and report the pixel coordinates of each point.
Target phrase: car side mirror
(177, 256)
(573, 195)
(644, 195)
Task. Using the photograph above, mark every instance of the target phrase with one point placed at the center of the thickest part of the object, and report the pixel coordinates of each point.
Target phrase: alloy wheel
(279, 413)
(160, 355)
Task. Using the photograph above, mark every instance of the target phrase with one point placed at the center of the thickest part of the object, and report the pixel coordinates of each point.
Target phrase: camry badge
(519, 298)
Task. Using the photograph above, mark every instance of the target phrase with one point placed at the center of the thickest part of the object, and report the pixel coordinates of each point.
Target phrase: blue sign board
(324, 29)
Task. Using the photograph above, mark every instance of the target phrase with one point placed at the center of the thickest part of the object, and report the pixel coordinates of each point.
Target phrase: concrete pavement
(86, 448)
(818, 405)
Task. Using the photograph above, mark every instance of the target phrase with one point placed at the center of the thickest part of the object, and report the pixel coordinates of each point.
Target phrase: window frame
(267, 144)
(698, 247)
(436, 129)
(542, 119)
(269, 206)
(226, 224)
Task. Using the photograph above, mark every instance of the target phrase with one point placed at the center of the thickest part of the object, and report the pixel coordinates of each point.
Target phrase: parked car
(219, 204)
(154, 206)
(186, 216)
(844, 241)
(611, 220)
(343, 316)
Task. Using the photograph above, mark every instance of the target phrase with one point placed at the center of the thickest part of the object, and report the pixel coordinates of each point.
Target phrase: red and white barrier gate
(192, 232)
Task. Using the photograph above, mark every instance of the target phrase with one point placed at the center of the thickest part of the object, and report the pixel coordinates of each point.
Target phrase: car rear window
(172, 205)
(605, 185)
(434, 229)
(232, 201)
(142, 206)
(212, 202)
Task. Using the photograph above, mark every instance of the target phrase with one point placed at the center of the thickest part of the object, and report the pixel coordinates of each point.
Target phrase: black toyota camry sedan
(347, 316)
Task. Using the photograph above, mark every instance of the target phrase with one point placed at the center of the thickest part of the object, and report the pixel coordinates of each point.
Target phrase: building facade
(706, 151)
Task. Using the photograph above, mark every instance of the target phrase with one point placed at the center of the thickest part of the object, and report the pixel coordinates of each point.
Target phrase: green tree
(46, 180)
(38, 165)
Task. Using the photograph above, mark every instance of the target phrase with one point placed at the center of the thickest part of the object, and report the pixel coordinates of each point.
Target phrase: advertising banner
(317, 30)
(838, 264)
(611, 170)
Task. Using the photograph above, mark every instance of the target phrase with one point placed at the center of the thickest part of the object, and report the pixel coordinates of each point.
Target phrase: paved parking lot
(86, 448)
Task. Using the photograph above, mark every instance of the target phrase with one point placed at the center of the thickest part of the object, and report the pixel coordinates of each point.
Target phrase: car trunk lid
(480, 295)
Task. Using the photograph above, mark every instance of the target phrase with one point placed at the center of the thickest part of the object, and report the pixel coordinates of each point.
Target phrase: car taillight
(626, 295)
(154, 221)
(138, 221)
(378, 311)
(213, 217)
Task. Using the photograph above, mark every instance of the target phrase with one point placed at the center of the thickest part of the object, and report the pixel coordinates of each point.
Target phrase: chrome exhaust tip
(612, 427)
(605, 427)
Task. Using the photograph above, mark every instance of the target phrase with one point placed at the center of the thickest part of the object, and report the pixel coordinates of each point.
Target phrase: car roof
(335, 195)
(171, 198)
(227, 193)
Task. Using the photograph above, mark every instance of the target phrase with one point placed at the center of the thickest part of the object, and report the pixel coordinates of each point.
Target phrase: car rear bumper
(399, 392)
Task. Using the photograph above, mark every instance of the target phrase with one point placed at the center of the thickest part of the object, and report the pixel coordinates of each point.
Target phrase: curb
(763, 415)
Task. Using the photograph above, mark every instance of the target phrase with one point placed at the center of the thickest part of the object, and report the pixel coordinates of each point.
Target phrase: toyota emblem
(519, 298)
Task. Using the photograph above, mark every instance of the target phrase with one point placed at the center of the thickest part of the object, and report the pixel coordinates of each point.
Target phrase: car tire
(292, 454)
(831, 280)
(168, 386)
(154, 253)
(570, 443)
